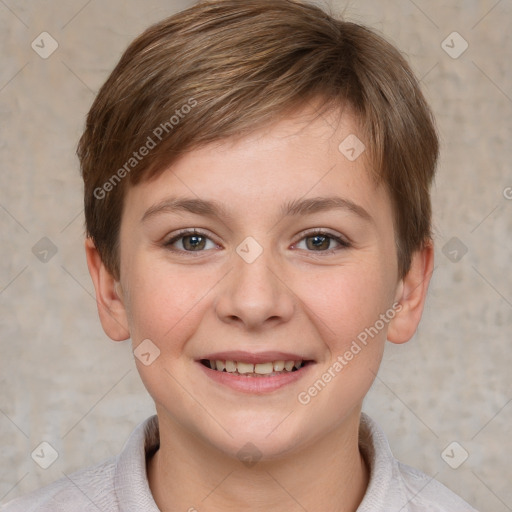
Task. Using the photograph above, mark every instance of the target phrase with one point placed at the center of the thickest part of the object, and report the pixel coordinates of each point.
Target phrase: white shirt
(120, 484)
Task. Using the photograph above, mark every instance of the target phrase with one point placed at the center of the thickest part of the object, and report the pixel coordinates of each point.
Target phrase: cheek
(347, 306)
(166, 307)
(347, 300)
(165, 302)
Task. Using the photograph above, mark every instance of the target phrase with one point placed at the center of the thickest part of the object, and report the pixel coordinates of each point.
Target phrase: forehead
(299, 156)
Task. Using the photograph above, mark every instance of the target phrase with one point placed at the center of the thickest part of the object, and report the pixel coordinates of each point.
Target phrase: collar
(130, 480)
(133, 492)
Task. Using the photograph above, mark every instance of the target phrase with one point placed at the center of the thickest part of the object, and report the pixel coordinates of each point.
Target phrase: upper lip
(255, 358)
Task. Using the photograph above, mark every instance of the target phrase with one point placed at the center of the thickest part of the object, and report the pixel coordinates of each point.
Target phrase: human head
(234, 180)
(222, 69)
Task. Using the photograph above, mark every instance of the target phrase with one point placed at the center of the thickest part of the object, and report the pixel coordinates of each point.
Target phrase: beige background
(64, 382)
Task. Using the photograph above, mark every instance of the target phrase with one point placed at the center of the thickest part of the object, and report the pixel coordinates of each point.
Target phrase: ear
(411, 294)
(111, 308)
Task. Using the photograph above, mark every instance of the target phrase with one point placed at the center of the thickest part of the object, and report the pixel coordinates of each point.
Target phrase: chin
(262, 442)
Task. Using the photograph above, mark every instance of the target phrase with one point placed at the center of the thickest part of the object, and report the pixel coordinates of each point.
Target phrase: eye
(190, 241)
(322, 241)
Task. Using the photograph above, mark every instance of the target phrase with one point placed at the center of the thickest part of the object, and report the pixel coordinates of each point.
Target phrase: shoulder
(84, 490)
(117, 483)
(427, 494)
(394, 485)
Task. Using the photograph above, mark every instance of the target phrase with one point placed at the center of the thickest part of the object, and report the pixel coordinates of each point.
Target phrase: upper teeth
(259, 368)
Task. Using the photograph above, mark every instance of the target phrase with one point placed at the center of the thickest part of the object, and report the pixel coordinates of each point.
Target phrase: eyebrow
(319, 204)
(292, 208)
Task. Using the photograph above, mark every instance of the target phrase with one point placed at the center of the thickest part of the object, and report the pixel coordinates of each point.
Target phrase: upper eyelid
(188, 232)
(324, 231)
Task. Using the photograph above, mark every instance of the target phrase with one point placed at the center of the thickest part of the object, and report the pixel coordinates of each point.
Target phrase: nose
(254, 295)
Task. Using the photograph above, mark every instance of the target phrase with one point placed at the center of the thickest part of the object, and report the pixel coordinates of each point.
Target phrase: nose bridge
(254, 292)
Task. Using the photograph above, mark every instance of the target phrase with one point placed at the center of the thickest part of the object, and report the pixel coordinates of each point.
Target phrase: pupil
(193, 242)
(318, 241)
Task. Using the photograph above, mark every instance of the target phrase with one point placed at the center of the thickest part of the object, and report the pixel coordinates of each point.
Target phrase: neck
(187, 474)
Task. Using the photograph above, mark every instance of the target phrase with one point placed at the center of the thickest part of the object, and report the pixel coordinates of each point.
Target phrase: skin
(295, 297)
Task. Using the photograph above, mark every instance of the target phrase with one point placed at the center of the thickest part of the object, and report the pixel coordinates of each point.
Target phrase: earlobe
(411, 294)
(109, 297)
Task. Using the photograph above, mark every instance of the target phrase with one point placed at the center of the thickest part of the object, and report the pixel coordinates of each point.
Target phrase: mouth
(256, 370)
(254, 373)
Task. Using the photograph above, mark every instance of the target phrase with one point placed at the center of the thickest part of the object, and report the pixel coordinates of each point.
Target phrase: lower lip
(256, 385)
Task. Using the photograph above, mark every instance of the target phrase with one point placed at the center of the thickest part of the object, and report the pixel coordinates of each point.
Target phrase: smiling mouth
(268, 369)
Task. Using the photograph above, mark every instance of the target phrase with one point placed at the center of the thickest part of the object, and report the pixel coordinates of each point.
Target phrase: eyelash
(344, 244)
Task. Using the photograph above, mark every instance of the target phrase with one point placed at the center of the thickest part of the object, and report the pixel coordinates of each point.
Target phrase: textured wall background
(64, 382)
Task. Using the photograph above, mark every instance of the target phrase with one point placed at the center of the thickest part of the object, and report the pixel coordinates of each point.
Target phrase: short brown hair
(223, 68)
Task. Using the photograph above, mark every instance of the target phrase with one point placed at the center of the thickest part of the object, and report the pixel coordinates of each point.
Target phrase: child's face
(304, 296)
